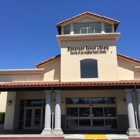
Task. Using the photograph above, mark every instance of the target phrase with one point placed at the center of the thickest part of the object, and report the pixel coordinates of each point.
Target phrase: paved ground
(97, 136)
(66, 136)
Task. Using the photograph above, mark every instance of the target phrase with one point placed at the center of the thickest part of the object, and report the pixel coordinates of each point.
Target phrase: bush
(2, 115)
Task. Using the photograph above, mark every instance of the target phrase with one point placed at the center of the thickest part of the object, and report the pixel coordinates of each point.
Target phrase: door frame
(90, 117)
(32, 118)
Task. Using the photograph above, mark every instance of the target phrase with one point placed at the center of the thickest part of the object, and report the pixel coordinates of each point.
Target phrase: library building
(89, 86)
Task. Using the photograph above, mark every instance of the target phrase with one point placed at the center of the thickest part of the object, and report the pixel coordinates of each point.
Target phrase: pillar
(138, 101)
(47, 125)
(131, 118)
(57, 129)
(10, 111)
(102, 27)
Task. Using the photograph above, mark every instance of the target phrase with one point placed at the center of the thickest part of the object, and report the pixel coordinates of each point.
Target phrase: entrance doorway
(33, 118)
(32, 113)
(91, 113)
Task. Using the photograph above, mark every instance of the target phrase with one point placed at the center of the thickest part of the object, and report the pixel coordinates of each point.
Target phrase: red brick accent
(134, 137)
(31, 137)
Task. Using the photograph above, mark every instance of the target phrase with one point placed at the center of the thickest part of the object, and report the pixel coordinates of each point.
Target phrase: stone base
(46, 131)
(57, 132)
(132, 132)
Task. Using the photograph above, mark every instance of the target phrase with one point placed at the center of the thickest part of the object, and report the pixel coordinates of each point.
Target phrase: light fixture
(9, 102)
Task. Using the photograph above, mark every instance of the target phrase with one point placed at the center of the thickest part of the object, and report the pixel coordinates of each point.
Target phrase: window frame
(93, 71)
(66, 28)
(86, 26)
(106, 26)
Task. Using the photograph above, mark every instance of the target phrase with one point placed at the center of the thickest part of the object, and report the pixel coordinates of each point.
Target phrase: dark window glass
(108, 28)
(84, 112)
(84, 122)
(83, 101)
(28, 118)
(22, 103)
(21, 115)
(72, 100)
(30, 103)
(98, 122)
(97, 112)
(103, 100)
(20, 126)
(67, 29)
(77, 100)
(111, 123)
(86, 28)
(89, 68)
(72, 123)
(72, 112)
(110, 111)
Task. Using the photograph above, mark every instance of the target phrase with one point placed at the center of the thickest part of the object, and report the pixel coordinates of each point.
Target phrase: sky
(28, 27)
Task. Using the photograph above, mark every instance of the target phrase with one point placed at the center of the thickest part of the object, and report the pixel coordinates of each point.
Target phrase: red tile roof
(128, 58)
(48, 60)
(69, 84)
(116, 22)
(58, 56)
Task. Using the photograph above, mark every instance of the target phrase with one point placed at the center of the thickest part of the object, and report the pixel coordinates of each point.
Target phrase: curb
(134, 137)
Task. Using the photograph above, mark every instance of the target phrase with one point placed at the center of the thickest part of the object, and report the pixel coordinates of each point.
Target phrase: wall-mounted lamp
(9, 102)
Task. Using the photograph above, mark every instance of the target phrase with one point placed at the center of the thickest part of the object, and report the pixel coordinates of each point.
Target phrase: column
(47, 125)
(57, 129)
(131, 118)
(10, 111)
(71, 29)
(102, 27)
(138, 101)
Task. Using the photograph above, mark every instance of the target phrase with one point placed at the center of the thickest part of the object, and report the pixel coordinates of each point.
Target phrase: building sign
(88, 50)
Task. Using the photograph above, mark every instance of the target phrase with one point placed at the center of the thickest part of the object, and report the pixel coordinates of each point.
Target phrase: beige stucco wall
(3, 101)
(10, 112)
(126, 70)
(52, 71)
(118, 94)
(20, 77)
(107, 63)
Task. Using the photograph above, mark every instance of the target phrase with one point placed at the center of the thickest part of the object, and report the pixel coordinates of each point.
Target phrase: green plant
(2, 115)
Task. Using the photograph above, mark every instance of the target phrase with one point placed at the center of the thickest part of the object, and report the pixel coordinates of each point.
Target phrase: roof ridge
(86, 12)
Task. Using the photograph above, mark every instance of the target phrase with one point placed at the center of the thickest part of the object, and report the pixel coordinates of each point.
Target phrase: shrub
(2, 115)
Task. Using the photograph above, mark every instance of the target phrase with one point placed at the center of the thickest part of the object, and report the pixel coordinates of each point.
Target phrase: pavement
(65, 136)
(97, 136)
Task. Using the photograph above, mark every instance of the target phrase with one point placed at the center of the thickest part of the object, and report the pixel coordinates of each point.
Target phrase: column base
(57, 132)
(46, 131)
(132, 132)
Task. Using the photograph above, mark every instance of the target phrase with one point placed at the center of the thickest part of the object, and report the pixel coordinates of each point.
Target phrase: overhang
(99, 85)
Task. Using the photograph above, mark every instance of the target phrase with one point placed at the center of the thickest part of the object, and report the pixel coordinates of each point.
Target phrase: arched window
(89, 68)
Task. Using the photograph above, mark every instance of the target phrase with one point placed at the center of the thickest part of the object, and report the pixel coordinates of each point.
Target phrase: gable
(87, 14)
(126, 68)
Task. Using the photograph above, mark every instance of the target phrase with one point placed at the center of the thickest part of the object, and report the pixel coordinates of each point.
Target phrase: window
(108, 28)
(87, 28)
(89, 68)
(67, 29)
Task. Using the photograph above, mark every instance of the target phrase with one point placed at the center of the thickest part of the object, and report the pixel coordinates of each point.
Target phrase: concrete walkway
(66, 136)
(97, 136)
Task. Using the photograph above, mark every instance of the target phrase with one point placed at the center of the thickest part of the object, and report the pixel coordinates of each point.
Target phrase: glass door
(37, 118)
(28, 118)
(33, 118)
(84, 118)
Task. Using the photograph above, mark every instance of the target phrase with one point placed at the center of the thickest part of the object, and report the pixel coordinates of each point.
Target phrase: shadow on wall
(52, 70)
(127, 69)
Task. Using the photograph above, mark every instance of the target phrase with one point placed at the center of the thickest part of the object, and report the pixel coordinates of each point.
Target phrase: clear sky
(28, 27)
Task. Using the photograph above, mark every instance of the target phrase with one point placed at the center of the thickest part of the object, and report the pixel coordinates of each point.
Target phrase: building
(89, 86)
